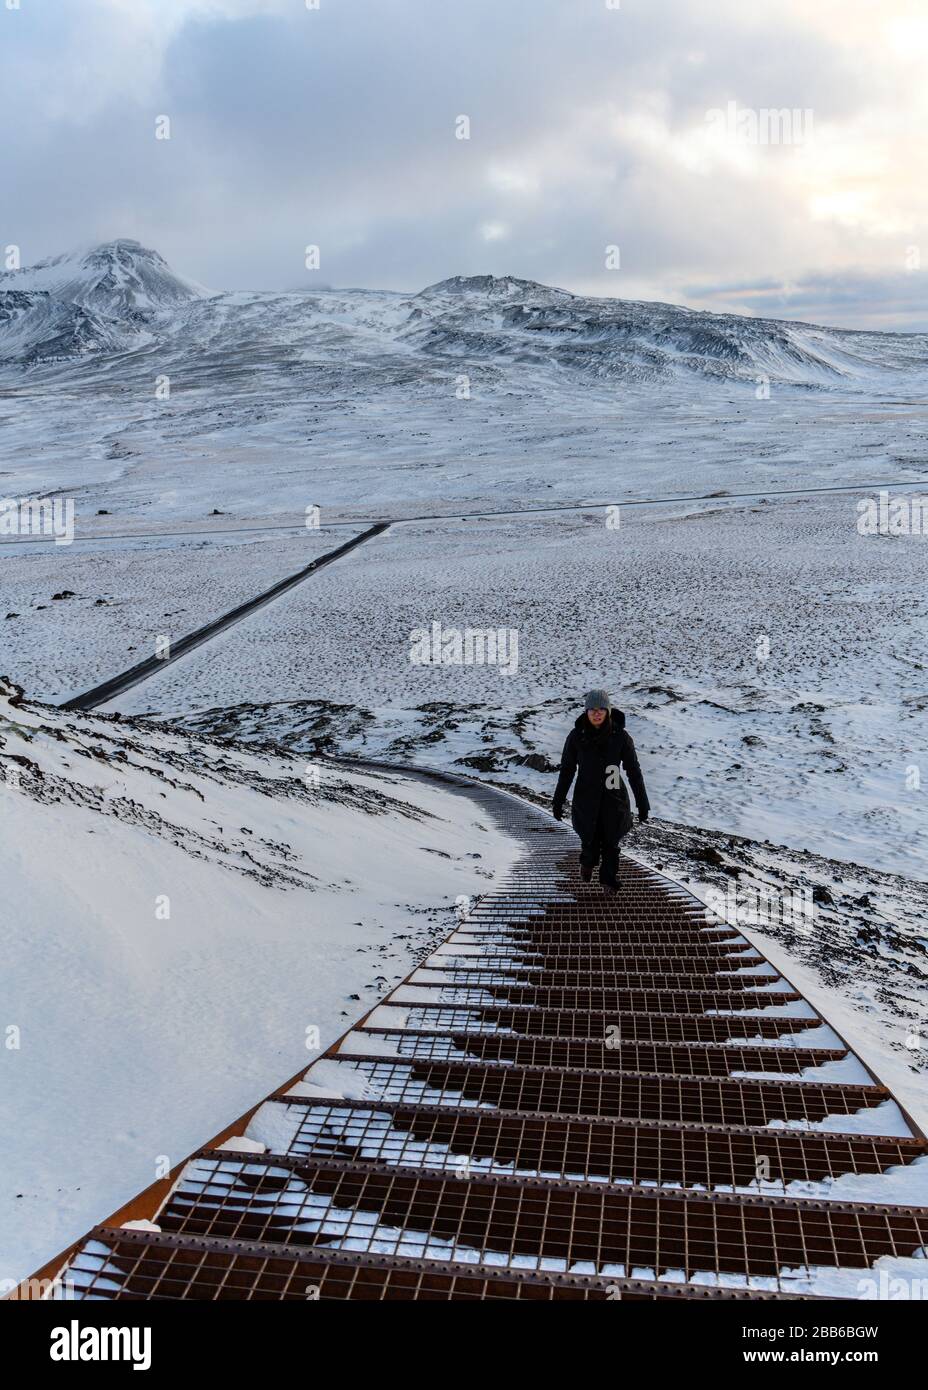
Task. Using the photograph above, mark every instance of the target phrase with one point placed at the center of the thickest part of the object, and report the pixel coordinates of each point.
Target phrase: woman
(597, 748)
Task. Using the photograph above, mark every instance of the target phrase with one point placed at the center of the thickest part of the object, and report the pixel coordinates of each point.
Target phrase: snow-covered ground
(177, 918)
(807, 740)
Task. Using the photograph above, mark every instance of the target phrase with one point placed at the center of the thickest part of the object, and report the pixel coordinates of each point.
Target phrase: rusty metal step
(691, 1100)
(615, 1025)
(584, 1054)
(647, 938)
(604, 1000)
(470, 1142)
(533, 1223)
(564, 955)
(142, 1265)
(608, 923)
(541, 977)
(552, 897)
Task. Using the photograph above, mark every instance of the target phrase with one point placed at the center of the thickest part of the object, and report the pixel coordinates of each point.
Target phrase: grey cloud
(336, 127)
(895, 300)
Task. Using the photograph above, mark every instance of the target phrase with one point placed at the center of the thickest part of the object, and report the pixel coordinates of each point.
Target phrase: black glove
(643, 815)
(558, 811)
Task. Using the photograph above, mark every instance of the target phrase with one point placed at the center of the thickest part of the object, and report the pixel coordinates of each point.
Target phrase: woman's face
(596, 716)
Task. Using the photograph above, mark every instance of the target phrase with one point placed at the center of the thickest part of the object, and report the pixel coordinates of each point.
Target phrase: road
(116, 685)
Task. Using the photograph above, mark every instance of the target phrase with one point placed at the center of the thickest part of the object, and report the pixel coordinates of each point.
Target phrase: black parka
(596, 755)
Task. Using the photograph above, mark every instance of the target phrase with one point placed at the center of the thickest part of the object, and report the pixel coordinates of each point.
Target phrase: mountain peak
(118, 278)
(493, 287)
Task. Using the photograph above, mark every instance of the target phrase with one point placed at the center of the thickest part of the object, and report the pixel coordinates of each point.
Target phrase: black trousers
(601, 848)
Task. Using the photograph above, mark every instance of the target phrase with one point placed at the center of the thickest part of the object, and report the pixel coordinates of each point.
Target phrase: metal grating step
(530, 1223)
(137, 1265)
(688, 1100)
(583, 1054)
(580, 1150)
(615, 1026)
(540, 977)
(673, 926)
(651, 937)
(599, 1000)
(557, 955)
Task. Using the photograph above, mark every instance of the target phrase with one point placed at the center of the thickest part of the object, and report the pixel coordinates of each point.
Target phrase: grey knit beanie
(597, 699)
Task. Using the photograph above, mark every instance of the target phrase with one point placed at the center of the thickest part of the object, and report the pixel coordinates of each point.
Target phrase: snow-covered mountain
(616, 338)
(87, 304)
(118, 279)
(504, 324)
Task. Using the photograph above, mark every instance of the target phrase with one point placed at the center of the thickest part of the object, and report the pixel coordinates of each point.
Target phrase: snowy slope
(36, 327)
(176, 916)
(625, 339)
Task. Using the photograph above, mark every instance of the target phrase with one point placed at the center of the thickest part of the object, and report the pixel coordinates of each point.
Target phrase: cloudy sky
(592, 124)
